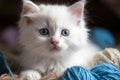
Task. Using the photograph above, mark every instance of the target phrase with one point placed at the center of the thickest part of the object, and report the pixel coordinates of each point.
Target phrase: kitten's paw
(31, 75)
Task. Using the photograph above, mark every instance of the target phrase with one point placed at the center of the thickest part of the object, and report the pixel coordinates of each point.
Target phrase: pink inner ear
(29, 8)
(27, 20)
(77, 11)
(26, 9)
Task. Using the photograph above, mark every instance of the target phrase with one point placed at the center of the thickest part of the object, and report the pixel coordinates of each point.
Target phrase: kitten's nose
(55, 42)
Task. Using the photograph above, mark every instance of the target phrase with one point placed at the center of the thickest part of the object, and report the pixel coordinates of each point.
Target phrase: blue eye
(65, 32)
(44, 31)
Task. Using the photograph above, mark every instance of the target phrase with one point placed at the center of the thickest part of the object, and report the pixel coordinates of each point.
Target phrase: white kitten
(54, 37)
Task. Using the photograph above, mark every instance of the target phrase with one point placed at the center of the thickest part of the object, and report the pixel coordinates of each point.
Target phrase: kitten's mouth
(55, 48)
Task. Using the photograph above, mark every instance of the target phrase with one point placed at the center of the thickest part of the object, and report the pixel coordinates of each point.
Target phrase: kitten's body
(39, 53)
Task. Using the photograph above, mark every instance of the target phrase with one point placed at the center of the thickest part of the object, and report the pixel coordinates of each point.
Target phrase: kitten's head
(52, 29)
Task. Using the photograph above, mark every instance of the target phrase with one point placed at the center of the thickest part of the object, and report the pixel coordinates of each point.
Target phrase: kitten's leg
(30, 75)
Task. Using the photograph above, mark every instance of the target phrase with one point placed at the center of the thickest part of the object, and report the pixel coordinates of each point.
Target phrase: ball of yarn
(101, 71)
(102, 37)
(77, 73)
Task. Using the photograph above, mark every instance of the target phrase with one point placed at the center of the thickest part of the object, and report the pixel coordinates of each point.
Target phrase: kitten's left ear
(77, 9)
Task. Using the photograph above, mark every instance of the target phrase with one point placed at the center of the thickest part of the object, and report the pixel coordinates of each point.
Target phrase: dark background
(101, 13)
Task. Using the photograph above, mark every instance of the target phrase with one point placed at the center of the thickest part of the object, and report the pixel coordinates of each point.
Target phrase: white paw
(31, 75)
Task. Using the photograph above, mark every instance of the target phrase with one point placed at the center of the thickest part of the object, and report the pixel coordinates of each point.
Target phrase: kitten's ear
(77, 8)
(29, 7)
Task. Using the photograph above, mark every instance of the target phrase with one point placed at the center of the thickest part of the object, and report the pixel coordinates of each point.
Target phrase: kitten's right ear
(29, 7)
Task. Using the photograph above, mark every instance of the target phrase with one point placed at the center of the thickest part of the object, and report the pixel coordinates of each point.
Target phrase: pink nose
(55, 42)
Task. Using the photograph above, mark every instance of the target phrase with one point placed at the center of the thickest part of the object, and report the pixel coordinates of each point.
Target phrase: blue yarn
(102, 37)
(106, 72)
(3, 63)
(101, 71)
(77, 73)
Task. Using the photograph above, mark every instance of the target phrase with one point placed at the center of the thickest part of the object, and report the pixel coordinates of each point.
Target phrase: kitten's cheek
(64, 47)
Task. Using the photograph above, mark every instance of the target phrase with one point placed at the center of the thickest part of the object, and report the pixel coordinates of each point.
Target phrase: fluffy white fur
(38, 57)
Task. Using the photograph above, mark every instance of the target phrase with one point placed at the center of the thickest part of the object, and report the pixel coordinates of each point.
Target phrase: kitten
(54, 37)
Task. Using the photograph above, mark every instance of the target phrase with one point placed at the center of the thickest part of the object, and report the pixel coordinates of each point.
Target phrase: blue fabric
(102, 37)
(3, 63)
(101, 71)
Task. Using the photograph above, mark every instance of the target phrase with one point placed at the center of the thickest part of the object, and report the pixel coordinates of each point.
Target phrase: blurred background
(102, 16)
